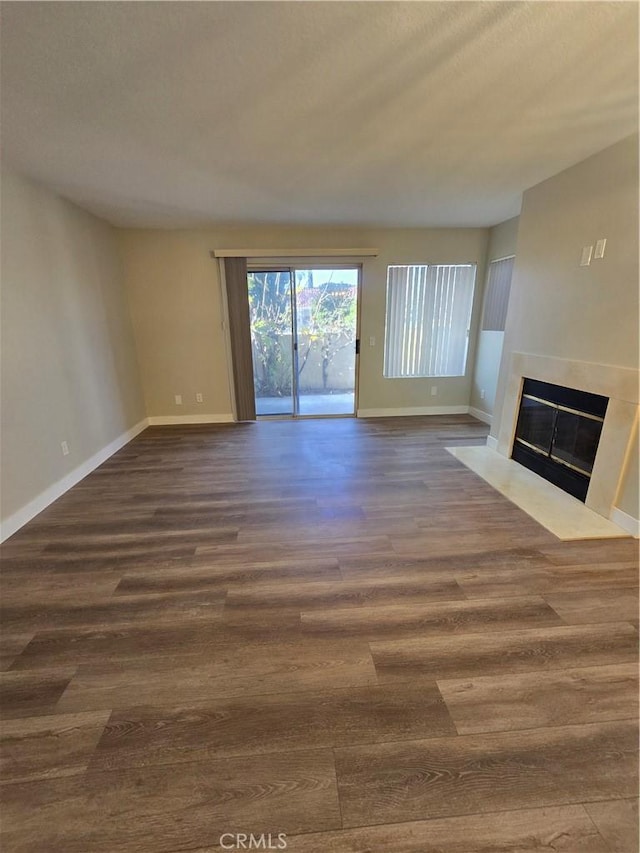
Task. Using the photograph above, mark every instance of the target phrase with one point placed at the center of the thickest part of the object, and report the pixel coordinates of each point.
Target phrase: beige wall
(175, 298)
(69, 369)
(503, 239)
(560, 309)
(502, 243)
(174, 295)
(629, 497)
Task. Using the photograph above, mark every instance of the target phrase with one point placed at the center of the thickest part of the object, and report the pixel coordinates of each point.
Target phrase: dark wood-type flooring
(329, 629)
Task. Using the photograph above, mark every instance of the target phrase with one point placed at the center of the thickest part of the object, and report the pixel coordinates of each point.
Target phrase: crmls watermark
(249, 841)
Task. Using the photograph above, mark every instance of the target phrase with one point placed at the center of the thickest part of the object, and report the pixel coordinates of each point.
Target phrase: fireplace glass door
(536, 424)
(555, 438)
(576, 440)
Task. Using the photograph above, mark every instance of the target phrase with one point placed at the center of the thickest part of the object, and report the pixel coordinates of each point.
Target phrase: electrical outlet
(434, 390)
(199, 398)
(65, 448)
(482, 394)
(178, 399)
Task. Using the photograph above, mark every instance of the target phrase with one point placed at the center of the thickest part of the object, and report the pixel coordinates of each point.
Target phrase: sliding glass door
(271, 313)
(326, 331)
(304, 340)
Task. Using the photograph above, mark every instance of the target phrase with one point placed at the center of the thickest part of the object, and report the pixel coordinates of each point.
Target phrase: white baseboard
(492, 442)
(414, 410)
(480, 415)
(626, 522)
(167, 420)
(14, 522)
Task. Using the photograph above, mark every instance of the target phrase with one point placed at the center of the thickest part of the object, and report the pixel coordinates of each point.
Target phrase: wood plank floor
(328, 629)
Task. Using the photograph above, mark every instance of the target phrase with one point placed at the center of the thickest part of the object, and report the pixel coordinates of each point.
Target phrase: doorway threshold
(310, 405)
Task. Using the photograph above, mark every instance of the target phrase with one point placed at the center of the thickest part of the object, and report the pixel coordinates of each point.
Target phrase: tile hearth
(563, 515)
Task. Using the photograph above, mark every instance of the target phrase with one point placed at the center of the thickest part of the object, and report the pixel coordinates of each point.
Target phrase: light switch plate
(600, 247)
(585, 258)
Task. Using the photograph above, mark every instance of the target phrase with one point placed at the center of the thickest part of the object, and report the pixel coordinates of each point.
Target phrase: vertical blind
(427, 320)
(497, 299)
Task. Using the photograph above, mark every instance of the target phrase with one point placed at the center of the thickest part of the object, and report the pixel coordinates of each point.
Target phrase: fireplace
(557, 434)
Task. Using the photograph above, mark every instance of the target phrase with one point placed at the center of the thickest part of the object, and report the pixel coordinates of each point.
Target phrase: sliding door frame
(283, 268)
(291, 269)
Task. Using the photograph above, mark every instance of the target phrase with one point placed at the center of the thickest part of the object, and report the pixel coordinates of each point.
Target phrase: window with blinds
(427, 320)
(497, 299)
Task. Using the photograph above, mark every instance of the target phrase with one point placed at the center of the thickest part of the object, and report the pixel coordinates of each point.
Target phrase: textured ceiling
(408, 114)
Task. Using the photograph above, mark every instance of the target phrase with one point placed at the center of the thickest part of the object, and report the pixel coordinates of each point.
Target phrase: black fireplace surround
(557, 434)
